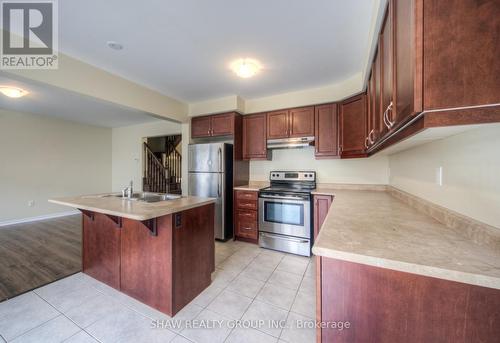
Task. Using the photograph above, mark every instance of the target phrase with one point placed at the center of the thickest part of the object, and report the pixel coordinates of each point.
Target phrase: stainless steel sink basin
(149, 197)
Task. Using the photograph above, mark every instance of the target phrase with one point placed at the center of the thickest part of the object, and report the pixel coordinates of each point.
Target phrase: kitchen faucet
(128, 192)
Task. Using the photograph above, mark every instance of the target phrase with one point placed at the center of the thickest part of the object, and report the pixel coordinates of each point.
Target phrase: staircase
(162, 171)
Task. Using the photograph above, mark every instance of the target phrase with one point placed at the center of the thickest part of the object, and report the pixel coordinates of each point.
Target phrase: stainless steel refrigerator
(210, 174)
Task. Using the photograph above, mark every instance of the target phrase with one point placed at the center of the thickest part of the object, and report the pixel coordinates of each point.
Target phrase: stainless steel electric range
(285, 212)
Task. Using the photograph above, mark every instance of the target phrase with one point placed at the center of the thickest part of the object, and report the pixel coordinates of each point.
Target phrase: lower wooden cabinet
(384, 305)
(321, 207)
(246, 217)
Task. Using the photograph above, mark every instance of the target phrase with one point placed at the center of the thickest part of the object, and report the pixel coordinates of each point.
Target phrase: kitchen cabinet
(101, 248)
(322, 205)
(213, 125)
(296, 122)
(436, 77)
(326, 131)
(254, 137)
(377, 300)
(246, 216)
(352, 120)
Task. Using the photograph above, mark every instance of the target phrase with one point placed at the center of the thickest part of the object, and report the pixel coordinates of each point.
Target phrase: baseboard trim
(38, 218)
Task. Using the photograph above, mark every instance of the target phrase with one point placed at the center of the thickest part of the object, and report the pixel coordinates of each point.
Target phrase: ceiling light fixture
(13, 92)
(246, 67)
(114, 45)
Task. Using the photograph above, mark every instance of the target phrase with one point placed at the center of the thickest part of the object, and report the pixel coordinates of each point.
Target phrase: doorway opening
(162, 164)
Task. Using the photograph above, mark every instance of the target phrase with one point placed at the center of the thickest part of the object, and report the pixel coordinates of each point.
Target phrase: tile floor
(250, 284)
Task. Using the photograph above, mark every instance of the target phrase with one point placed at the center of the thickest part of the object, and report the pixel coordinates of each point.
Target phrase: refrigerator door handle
(219, 154)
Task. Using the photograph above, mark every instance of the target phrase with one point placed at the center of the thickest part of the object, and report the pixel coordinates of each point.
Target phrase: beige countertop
(137, 210)
(376, 228)
(253, 186)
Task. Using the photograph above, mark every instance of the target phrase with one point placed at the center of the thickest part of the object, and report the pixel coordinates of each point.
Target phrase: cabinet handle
(370, 135)
(340, 150)
(367, 142)
(387, 121)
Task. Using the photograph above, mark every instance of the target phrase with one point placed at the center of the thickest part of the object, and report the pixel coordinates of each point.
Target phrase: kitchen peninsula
(161, 253)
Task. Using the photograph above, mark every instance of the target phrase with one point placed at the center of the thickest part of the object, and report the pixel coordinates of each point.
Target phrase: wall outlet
(439, 176)
(31, 203)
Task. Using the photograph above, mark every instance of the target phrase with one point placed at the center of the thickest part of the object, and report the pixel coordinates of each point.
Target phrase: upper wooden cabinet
(352, 118)
(297, 122)
(254, 137)
(214, 125)
(387, 68)
(326, 131)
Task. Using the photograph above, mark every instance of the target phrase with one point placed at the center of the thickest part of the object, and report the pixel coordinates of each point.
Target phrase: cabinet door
(378, 123)
(222, 124)
(277, 124)
(326, 131)
(246, 224)
(407, 59)
(200, 127)
(301, 122)
(386, 51)
(101, 249)
(254, 137)
(322, 205)
(370, 114)
(353, 127)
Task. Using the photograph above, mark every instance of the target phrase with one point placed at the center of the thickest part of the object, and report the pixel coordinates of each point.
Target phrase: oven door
(285, 215)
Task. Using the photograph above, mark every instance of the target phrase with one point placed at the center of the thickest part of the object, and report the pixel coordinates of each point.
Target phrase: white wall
(471, 173)
(127, 151)
(373, 170)
(43, 157)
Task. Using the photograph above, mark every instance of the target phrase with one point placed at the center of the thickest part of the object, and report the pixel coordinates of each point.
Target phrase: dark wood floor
(34, 254)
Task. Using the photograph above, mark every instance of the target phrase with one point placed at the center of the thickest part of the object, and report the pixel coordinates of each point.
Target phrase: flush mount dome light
(12, 92)
(246, 67)
(114, 45)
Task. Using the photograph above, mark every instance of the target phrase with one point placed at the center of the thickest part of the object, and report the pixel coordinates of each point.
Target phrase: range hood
(290, 143)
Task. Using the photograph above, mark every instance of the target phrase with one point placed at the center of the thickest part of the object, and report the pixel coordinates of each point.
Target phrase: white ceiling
(56, 102)
(182, 48)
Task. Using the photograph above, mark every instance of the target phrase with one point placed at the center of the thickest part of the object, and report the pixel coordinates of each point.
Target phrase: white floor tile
(128, 326)
(180, 339)
(293, 265)
(222, 277)
(67, 293)
(23, 313)
(268, 260)
(93, 310)
(295, 332)
(230, 304)
(216, 334)
(2, 340)
(277, 295)
(285, 279)
(81, 337)
(308, 285)
(274, 317)
(207, 296)
(311, 270)
(257, 272)
(55, 330)
(178, 322)
(305, 304)
(244, 335)
(246, 286)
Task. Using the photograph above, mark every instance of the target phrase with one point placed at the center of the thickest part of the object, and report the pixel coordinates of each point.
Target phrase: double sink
(148, 197)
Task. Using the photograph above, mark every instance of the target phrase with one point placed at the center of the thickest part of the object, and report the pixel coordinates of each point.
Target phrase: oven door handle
(288, 197)
(296, 240)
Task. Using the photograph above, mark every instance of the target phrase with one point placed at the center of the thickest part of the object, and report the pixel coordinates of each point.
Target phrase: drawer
(247, 215)
(246, 195)
(246, 228)
(246, 204)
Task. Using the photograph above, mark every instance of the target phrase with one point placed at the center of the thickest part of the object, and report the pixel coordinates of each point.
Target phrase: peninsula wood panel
(326, 131)
(385, 305)
(101, 240)
(146, 270)
(193, 254)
